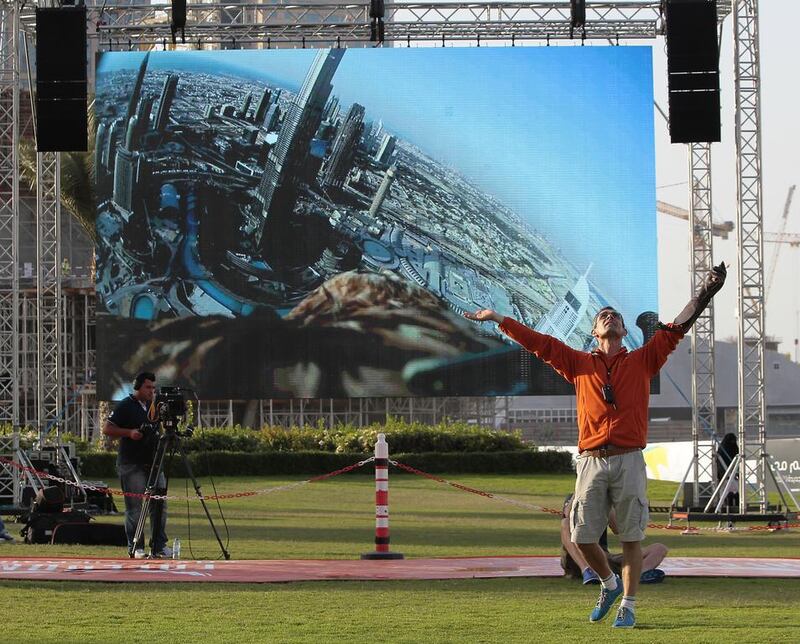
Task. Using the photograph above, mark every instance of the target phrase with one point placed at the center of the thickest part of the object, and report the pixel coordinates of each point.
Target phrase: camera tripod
(169, 439)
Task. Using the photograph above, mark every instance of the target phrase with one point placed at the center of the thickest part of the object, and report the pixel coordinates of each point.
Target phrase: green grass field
(334, 519)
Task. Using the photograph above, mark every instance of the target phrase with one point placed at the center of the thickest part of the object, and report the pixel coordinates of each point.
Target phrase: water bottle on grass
(176, 548)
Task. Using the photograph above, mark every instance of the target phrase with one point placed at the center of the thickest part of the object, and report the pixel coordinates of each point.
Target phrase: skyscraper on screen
(287, 158)
(344, 147)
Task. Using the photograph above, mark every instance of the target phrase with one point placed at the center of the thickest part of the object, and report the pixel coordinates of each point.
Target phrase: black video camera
(171, 408)
(170, 403)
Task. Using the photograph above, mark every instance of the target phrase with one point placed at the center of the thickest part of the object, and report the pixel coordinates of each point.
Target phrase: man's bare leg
(611, 586)
(572, 548)
(596, 558)
(577, 556)
(631, 566)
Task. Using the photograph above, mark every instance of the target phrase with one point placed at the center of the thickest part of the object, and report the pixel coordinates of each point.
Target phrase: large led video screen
(314, 223)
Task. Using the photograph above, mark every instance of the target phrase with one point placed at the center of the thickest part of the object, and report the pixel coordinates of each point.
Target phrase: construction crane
(723, 228)
(793, 239)
(720, 229)
(782, 235)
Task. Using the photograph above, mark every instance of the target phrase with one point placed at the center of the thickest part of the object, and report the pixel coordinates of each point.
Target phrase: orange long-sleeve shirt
(599, 424)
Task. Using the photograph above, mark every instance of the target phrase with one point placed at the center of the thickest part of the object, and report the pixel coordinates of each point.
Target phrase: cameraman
(131, 423)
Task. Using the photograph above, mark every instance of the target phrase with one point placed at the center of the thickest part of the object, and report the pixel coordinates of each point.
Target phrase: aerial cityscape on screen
(226, 193)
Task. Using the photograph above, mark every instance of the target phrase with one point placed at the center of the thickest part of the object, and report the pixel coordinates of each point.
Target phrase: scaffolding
(365, 411)
(753, 463)
(33, 360)
(356, 412)
(78, 416)
(9, 219)
(704, 408)
(48, 292)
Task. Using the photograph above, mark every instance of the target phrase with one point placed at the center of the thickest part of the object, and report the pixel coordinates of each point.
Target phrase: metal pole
(704, 410)
(749, 230)
(9, 215)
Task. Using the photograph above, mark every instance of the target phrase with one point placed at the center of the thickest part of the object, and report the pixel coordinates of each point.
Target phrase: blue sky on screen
(564, 136)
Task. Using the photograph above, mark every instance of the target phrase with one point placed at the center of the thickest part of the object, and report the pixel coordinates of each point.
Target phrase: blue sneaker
(625, 618)
(606, 601)
(590, 577)
(652, 576)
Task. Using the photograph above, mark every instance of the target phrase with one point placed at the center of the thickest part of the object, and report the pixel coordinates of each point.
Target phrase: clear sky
(563, 136)
(780, 138)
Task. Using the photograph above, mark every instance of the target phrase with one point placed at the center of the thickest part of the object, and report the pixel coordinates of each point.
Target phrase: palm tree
(77, 177)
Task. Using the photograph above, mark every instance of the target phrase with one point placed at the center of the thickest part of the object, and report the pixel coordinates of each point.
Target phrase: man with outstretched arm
(612, 389)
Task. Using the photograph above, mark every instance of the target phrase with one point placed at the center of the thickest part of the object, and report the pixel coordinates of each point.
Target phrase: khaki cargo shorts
(618, 482)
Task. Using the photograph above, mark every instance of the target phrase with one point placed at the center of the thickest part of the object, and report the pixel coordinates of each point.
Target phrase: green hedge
(101, 465)
(28, 437)
(403, 437)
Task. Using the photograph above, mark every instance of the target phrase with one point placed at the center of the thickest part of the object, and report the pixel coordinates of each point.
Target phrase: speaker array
(61, 88)
(693, 71)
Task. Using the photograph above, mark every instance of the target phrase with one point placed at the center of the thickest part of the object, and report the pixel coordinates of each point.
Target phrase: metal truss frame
(345, 411)
(49, 395)
(9, 475)
(243, 24)
(210, 25)
(78, 359)
(246, 23)
(364, 411)
(215, 413)
(9, 216)
(704, 409)
(752, 418)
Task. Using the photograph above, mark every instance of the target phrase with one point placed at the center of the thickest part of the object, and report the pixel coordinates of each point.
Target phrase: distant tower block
(164, 105)
(287, 158)
(143, 117)
(130, 133)
(331, 110)
(115, 132)
(563, 318)
(385, 149)
(124, 167)
(377, 130)
(137, 88)
(245, 106)
(99, 150)
(262, 107)
(383, 191)
(344, 147)
(273, 118)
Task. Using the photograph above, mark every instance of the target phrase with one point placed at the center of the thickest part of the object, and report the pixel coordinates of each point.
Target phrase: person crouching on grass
(575, 566)
(612, 388)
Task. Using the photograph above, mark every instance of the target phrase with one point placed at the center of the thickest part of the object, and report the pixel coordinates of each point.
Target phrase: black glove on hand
(711, 286)
(714, 281)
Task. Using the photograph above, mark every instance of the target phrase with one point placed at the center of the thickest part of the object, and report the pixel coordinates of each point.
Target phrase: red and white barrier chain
(159, 497)
(472, 490)
(553, 511)
(354, 466)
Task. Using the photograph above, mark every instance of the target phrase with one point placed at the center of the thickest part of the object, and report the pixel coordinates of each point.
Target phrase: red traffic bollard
(382, 503)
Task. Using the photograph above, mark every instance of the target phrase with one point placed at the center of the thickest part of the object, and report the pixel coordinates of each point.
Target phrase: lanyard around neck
(601, 355)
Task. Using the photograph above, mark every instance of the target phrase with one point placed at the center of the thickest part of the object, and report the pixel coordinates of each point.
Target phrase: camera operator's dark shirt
(129, 414)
